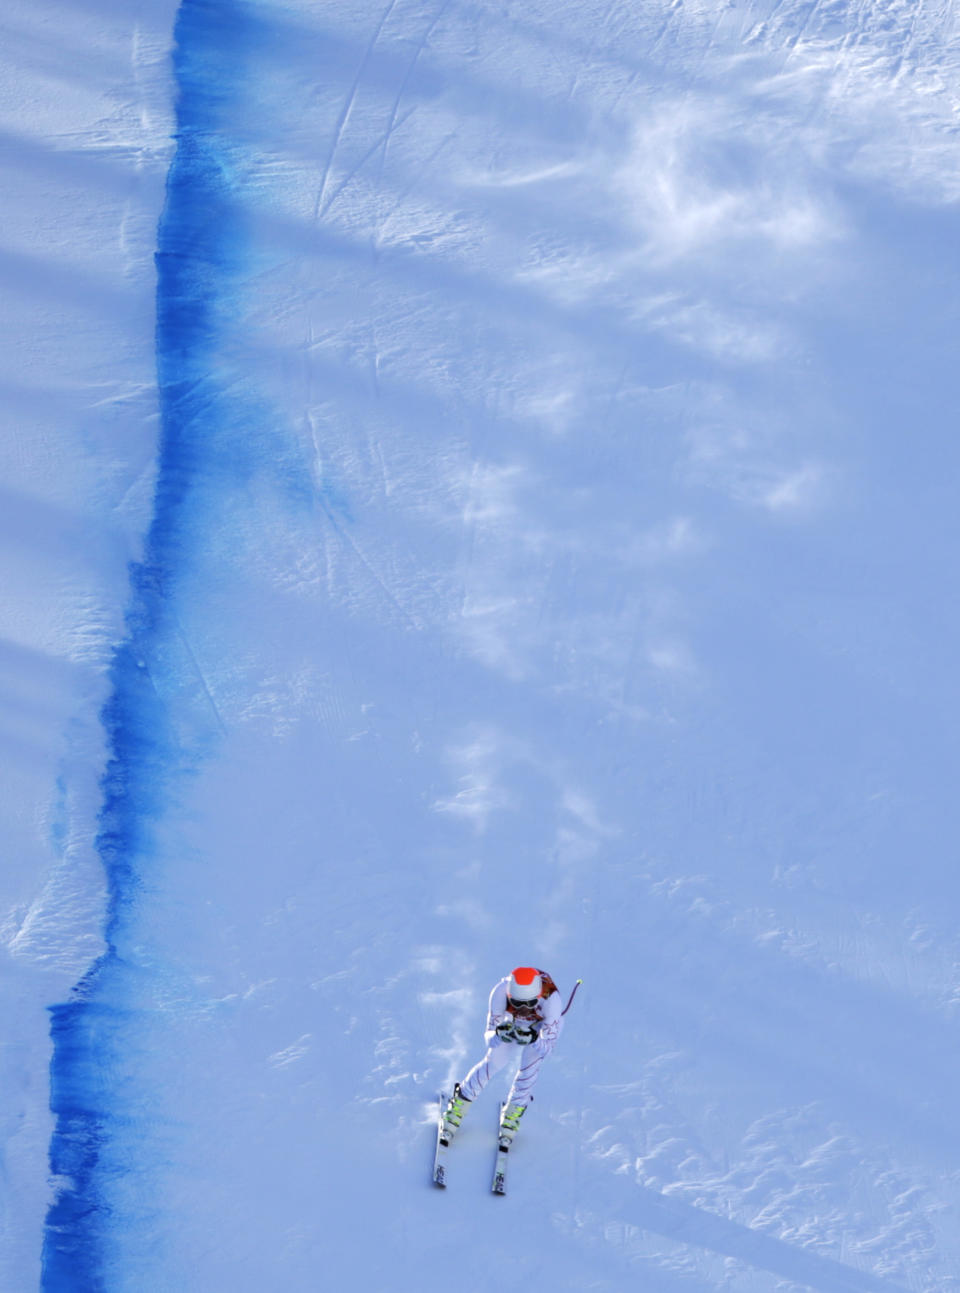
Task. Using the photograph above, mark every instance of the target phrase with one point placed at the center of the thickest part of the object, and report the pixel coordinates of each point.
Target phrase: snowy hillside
(479, 489)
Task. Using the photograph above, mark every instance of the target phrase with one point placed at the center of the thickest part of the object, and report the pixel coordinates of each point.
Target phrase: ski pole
(572, 995)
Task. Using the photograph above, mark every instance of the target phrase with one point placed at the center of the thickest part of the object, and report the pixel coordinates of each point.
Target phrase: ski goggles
(522, 1005)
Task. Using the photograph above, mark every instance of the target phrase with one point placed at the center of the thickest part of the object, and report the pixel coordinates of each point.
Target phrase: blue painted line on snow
(200, 251)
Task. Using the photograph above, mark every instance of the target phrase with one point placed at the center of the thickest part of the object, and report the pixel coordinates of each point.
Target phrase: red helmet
(525, 984)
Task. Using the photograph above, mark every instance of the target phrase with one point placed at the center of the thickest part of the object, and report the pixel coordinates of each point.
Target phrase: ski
(503, 1149)
(440, 1156)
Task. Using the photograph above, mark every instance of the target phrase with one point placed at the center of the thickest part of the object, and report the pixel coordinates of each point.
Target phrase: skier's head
(524, 986)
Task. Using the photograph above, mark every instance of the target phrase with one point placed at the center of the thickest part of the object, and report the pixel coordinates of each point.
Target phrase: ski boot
(509, 1123)
(453, 1115)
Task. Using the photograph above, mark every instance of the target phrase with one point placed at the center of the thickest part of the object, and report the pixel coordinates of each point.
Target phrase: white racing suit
(546, 1021)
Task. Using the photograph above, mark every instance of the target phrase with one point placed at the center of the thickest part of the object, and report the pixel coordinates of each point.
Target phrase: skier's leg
(522, 1089)
(498, 1054)
(521, 1092)
(471, 1086)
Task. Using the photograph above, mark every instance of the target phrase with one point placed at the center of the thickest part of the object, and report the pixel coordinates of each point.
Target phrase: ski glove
(505, 1030)
(524, 1034)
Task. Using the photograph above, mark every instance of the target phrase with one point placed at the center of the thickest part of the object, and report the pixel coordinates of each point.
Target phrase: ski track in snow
(538, 569)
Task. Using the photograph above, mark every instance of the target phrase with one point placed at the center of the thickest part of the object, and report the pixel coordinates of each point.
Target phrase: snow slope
(539, 490)
(84, 148)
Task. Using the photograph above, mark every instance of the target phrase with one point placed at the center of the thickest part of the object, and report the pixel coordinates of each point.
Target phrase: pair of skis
(443, 1147)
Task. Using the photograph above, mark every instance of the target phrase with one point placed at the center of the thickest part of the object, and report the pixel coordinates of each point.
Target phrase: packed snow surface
(478, 489)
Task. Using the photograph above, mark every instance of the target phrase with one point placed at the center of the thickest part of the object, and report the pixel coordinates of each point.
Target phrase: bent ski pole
(572, 995)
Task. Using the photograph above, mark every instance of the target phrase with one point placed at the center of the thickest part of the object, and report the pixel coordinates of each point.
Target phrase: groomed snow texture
(478, 488)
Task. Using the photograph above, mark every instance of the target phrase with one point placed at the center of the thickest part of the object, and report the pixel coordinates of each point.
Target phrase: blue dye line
(200, 250)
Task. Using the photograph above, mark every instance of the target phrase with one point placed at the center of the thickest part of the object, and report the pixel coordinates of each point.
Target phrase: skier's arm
(497, 1012)
(552, 1013)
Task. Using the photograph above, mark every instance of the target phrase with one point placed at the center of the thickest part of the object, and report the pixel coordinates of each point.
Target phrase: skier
(523, 1018)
